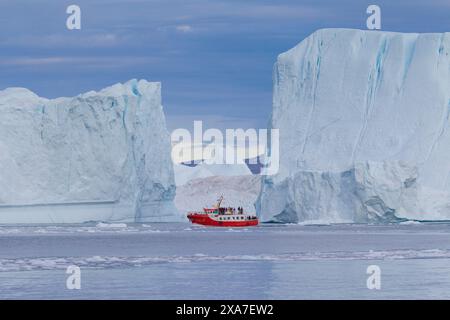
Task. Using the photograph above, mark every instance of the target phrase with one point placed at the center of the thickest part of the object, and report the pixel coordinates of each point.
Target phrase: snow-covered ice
(201, 185)
(184, 173)
(102, 156)
(364, 123)
(238, 191)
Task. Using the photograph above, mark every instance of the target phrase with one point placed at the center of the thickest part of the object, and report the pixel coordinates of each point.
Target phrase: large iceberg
(97, 156)
(364, 120)
(237, 191)
(185, 173)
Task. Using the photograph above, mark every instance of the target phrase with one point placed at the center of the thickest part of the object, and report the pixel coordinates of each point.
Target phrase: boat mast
(219, 202)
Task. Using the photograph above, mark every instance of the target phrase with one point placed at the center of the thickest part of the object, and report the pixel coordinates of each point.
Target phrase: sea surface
(183, 261)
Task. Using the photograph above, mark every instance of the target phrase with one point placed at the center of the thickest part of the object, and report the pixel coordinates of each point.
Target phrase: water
(181, 261)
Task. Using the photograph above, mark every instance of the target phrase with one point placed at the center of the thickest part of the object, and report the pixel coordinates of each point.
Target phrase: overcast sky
(213, 57)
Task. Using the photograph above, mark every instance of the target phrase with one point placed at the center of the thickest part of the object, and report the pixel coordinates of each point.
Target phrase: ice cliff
(184, 174)
(364, 121)
(97, 156)
(238, 191)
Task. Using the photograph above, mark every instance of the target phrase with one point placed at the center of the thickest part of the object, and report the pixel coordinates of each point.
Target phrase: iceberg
(238, 191)
(364, 121)
(184, 173)
(99, 156)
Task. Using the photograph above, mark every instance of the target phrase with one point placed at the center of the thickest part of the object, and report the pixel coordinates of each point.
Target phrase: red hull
(222, 220)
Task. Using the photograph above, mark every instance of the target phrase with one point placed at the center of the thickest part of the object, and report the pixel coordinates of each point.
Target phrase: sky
(213, 57)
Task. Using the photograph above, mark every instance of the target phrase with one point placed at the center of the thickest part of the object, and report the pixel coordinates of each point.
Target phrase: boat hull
(214, 220)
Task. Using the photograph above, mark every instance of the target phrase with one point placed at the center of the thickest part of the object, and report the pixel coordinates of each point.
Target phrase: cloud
(27, 61)
(94, 61)
(184, 28)
(64, 40)
(291, 11)
(221, 122)
(181, 28)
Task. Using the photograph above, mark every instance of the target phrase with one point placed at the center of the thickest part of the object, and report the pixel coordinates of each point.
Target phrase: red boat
(223, 217)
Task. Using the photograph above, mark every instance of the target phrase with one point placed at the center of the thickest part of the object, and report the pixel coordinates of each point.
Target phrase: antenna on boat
(219, 202)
